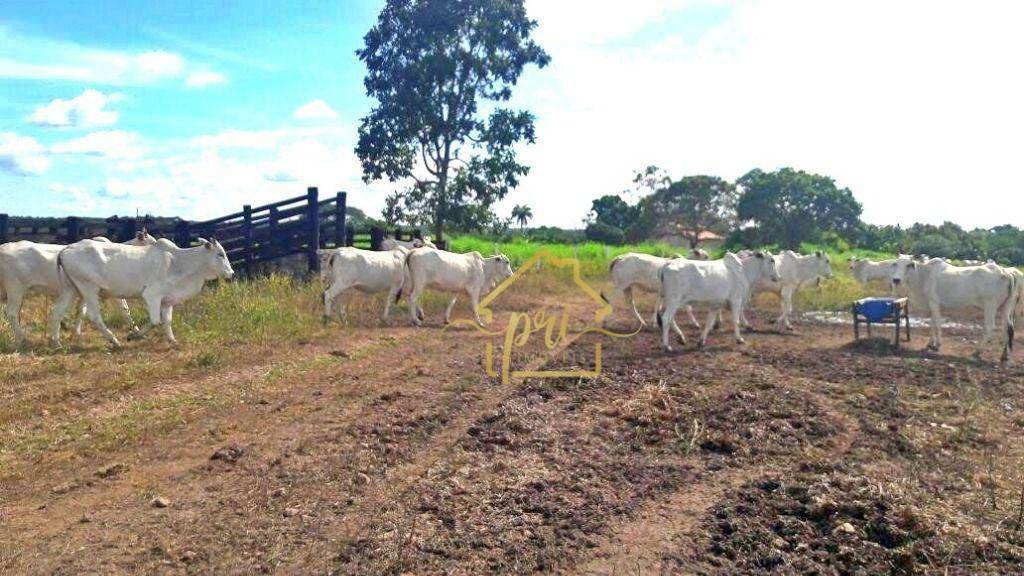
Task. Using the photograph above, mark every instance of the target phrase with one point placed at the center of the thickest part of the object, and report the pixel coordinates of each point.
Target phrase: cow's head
(823, 265)
(496, 269)
(902, 268)
(216, 263)
(767, 267)
(143, 238)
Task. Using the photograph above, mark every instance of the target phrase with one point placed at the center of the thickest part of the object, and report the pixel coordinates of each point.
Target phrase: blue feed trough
(893, 311)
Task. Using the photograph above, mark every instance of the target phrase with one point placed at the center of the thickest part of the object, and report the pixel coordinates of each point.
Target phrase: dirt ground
(387, 450)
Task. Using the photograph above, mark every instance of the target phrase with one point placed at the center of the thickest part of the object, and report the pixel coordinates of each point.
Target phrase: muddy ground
(388, 451)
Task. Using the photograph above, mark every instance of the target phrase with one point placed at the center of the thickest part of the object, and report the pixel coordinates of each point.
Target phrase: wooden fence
(254, 236)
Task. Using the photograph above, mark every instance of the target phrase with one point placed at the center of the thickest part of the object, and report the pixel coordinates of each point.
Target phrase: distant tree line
(785, 208)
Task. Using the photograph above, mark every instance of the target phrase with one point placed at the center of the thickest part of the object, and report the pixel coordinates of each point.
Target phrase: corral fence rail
(252, 237)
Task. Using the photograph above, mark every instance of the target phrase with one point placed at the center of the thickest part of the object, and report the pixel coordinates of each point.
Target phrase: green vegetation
(594, 258)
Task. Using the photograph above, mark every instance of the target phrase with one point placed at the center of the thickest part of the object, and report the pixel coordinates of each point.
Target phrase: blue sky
(192, 109)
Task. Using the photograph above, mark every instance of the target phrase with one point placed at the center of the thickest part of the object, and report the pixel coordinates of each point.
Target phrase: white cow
(163, 274)
(795, 271)
(366, 271)
(718, 283)
(470, 273)
(640, 271)
(865, 270)
(938, 284)
(391, 243)
(27, 267)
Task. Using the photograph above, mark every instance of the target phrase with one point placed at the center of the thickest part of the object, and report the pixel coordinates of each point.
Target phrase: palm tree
(522, 214)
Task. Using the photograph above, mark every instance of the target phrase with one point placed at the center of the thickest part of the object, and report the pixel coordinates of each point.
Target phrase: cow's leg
(132, 326)
(668, 314)
(79, 319)
(936, 317)
(448, 310)
(693, 319)
(786, 297)
(63, 303)
(709, 323)
(628, 294)
(615, 296)
(743, 318)
(474, 303)
(15, 298)
(95, 314)
(988, 329)
(393, 295)
(166, 315)
(414, 306)
(737, 314)
(331, 298)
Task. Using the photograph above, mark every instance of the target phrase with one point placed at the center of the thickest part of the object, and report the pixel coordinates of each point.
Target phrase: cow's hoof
(137, 335)
(666, 348)
(741, 341)
(701, 345)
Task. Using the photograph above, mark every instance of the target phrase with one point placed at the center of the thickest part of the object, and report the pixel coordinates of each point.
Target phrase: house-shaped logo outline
(603, 311)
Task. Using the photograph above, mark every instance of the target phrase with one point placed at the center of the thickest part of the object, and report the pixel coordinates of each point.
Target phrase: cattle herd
(164, 275)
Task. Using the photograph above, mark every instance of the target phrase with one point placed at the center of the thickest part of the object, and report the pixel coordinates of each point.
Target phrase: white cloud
(252, 139)
(87, 110)
(41, 58)
(159, 64)
(22, 155)
(202, 79)
(912, 104)
(113, 144)
(315, 110)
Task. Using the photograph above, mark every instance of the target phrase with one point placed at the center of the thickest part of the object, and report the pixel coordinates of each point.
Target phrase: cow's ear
(819, 254)
(141, 235)
(759, 254)
(203, 242)
(913, 265)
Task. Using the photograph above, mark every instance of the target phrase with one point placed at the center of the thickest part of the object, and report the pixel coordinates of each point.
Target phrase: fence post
(350, 236)
(4, 222)
(247, 235)
(275, 242)
(376, 238)
(73, 225)
(182, 234)
(313, 230)
(339, 219)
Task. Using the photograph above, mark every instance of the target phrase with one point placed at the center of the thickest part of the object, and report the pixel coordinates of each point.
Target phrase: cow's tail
(64, 280)
(1009, 305)
(661, 297)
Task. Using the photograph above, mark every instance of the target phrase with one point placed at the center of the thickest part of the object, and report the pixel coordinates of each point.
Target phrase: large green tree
(431, 64)
(690, 207)
(788, 207)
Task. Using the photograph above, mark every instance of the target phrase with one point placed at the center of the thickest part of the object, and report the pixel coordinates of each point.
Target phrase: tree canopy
(690, 207)
(430, 65)
(788, 207)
